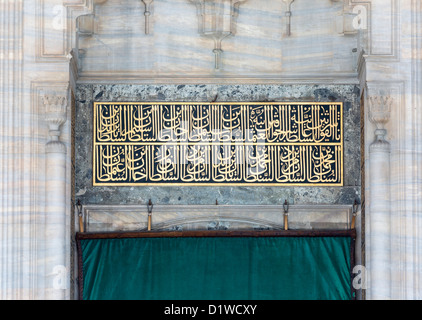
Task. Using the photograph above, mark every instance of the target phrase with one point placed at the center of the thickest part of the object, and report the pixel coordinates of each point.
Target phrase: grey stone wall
(86, 94)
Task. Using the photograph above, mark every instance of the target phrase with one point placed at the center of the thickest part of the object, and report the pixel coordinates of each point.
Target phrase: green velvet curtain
(216, 268)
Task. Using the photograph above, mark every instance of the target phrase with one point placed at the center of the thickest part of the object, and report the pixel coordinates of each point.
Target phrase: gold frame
(215, 184)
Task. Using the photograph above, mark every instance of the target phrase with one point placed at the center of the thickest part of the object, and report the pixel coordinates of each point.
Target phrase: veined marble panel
(104, 218)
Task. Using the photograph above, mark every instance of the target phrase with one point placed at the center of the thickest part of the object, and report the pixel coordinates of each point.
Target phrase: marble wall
(263, 42)
(44, 48)
(89, 194)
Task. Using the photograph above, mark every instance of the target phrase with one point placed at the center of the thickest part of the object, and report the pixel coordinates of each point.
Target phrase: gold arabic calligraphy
(218, 143)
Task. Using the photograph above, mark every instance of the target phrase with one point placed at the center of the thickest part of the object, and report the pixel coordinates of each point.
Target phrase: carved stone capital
(380, 109)
(380, 104)
(55, 106)
(55, 111)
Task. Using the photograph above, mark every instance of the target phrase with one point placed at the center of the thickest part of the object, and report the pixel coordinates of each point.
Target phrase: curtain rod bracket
(354, 213)
(150, 205)
(286, 213)
(79, 208)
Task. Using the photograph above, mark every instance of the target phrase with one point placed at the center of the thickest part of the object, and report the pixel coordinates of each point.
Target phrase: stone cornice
(285, 78)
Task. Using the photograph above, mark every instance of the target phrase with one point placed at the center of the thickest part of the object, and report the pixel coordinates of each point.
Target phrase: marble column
(391, 49)
(56, 273)
(379, 219)
(15, 215)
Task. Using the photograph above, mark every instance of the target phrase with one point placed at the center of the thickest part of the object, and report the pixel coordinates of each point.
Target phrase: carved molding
(212, 21)
(57, 20)
(288, 15)
(380, 28)
(85, 24)
(147, 14)
(351, 20)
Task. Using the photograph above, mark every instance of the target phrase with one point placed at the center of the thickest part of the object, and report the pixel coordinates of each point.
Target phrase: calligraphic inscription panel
(218, 144)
